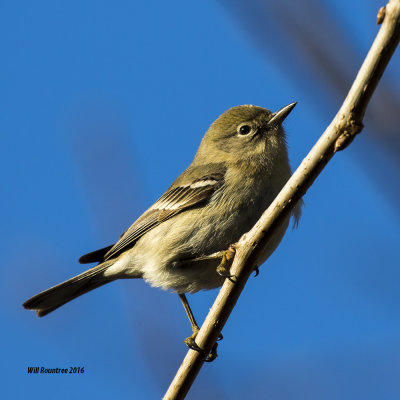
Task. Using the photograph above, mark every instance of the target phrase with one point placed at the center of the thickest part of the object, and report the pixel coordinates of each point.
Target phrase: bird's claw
(191, 343)
(256, 270)
(224, 272)
(226, 261)
(212, 355)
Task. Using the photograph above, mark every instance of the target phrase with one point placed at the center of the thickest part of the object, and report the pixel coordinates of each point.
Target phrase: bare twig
(339, 134)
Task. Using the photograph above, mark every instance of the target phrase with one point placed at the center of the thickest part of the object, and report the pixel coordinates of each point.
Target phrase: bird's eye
(244, 130)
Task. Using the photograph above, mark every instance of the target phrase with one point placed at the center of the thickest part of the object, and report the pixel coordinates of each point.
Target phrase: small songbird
(177, 244)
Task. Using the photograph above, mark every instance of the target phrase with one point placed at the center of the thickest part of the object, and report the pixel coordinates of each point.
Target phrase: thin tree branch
(338, 135)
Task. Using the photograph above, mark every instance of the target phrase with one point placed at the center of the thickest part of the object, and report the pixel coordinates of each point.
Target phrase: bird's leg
(190, 341)
(226, 262)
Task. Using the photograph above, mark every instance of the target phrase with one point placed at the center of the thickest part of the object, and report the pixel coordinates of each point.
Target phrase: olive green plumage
(239, 168)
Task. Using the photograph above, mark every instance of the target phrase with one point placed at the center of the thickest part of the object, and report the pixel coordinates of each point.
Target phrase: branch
(338, 135)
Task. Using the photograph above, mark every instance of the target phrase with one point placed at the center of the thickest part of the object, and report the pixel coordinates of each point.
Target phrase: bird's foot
(226, 262)
(191, 343)
(212, 355)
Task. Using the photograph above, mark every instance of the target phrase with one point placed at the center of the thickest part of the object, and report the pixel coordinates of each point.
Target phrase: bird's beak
(280, 115)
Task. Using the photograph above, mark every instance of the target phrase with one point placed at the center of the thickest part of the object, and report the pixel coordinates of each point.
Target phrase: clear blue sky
(103, 104)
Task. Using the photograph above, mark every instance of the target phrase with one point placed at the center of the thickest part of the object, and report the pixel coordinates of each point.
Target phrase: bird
(178, 243)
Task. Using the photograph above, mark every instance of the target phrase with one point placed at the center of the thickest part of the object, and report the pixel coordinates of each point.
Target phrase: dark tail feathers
(49, 300)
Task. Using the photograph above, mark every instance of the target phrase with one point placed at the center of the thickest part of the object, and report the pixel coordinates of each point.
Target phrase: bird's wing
(178, 198)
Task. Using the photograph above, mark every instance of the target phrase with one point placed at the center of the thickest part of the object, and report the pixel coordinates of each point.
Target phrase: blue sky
(102, 106)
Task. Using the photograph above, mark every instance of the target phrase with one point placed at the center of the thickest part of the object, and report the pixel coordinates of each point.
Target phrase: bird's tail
(49, 300)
